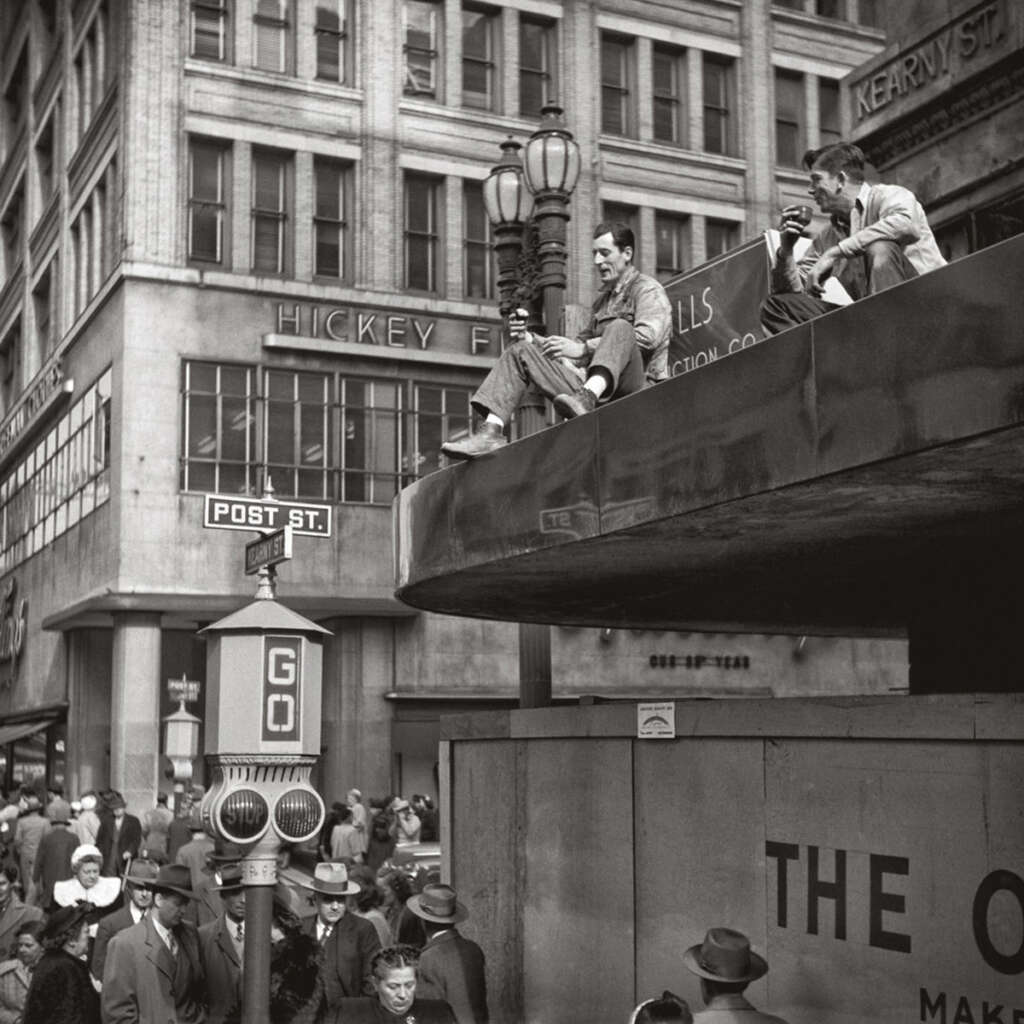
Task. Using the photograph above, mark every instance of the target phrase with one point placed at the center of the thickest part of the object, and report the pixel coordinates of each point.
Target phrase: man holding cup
(877, 236)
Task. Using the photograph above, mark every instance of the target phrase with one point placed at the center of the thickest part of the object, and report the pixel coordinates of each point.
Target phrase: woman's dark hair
(33, 928)
(11, 873)
(52, 942)
(622, 233)
(669, 1009)
(392, 957)
(399, 883)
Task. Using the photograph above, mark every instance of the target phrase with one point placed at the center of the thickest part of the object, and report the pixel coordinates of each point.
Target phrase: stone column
(135, 708)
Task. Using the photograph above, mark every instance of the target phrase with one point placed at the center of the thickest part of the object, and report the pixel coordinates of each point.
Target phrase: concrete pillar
(812, 112)
(754, 106)
(135, 708)
(451, 54)
(241, 205)
(304, 192)
(644, 89)
(451, 283)
(88, 653)
(509, 62)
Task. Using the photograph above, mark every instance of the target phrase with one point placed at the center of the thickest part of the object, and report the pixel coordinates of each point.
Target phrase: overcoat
(223, 969)
(345, 958)
(452, 968)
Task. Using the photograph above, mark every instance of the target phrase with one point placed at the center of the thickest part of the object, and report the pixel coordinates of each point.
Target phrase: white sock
(597, 385)
(491, 418)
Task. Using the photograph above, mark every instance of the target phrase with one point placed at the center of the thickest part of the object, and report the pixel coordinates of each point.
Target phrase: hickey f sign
(388, 328)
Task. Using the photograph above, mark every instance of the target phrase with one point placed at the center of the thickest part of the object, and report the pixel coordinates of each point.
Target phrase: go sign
(282, 676)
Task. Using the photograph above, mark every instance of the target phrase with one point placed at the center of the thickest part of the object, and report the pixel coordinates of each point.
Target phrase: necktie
(172, 945)
(240, 932)
(328, 928)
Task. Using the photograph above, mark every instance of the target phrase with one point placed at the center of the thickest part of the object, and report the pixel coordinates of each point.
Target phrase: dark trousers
(524, 364)
(882, 265)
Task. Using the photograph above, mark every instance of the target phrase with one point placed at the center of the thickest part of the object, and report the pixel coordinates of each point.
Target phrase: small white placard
(656, 721)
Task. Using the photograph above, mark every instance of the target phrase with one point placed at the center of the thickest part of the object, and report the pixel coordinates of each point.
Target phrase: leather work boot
(579, 404)
(488, 438)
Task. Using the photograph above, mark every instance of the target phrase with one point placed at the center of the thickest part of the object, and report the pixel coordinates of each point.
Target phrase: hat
(59, 810)
(229, 878)
(173, 878)
(400, 805)
(224, 852)
(88, 802)
(142, 872)
(85, 852)
(330, 879)
(725, 955)
(65, 919)
(76, 805)
(437, 903)
(115, 800)
(195, 820)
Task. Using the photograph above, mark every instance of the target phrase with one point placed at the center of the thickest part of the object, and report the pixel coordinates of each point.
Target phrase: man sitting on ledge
(624, 348)
(878, 236)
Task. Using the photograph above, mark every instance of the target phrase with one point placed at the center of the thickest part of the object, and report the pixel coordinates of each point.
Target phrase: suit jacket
(193, 856)
(733, 1008)
(53, 861)
(14, 916)
(223, 968)
(452, 968)
(345, 958)
(138, 978)
(371, 1011)
(108, 927)
(207, 906)
(128, 840)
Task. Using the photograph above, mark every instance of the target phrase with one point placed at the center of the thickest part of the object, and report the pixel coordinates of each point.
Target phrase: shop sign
(387, 328)
(183, 689)
(32, 406)
(13, 618)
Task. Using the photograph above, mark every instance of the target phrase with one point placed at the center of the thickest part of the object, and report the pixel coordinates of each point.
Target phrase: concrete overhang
(832, 479)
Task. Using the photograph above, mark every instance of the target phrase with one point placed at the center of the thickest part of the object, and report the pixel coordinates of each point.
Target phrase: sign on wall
(282, 678)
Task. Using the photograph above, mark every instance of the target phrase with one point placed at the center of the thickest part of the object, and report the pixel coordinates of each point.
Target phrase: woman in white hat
(86, 883)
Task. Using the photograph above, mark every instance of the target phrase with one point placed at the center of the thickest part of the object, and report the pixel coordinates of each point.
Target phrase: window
(272, 31)
(672, 254)
(219, 442)
(720, 236)
(59, 481)
(12, 226)
(321, 436)
(616, 71)
(269, 211)
(830, 8)
(479, 49)
(669, 75)
(10, 367)
(207, 211)
(208, 29)
(93, 68)
(297, 432)
(333, 41)
(789, 118)
(44, 302)
(46, 155)
(479, 257)
(718, 102)
(828, 111)
(537, 63)
(422, 31)
(422, 240)
(330, 225)
(15, 106)
(869, 13)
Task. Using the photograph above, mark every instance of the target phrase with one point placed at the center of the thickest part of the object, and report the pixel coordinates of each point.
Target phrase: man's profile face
(330, 908)
(610, 260)
(397, 989)
(170, 908)
(826, 189)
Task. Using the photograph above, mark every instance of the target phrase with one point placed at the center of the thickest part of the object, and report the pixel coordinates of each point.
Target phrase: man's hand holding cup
(517, 321)
(793, 225)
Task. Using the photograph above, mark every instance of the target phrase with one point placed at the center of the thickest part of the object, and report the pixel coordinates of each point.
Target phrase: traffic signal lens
(298, 814)
(244, 814)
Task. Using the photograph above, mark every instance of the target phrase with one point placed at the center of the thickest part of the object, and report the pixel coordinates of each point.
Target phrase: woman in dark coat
(60, 992)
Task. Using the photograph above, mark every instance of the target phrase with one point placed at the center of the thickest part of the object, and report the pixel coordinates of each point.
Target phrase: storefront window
(60, 481)
(320, 436)
(29, 759)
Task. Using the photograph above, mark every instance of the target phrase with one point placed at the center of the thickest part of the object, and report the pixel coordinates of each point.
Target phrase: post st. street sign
(271, 549)
(226, 512)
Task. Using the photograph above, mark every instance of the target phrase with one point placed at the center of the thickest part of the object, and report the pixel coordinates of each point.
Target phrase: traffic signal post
(264, 666)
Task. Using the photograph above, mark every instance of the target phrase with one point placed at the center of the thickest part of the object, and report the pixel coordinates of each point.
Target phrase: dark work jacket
(452, 968)
(60, 992)
(345, 958)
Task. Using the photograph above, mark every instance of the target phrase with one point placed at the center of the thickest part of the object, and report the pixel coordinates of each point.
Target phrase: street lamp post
(552, 169)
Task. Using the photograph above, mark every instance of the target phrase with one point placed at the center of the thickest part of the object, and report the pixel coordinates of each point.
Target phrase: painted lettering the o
(992, 883)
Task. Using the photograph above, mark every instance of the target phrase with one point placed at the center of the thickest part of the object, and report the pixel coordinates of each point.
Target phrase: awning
(19, 730)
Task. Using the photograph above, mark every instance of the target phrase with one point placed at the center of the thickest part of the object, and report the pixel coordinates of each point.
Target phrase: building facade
(244, 242)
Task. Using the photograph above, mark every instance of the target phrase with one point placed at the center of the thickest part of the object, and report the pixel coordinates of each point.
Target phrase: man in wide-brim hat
(222, 946)
(347, 942)
(451, 966)
(139, 900)
(726, 965)
(154, 969)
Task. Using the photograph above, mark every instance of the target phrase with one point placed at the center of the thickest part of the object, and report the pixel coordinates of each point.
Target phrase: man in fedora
(726, 965)
(222, 945)
(119, 837)
(207, 905)
(346, 942)
(140, 899)
(154, 969)
(53, 858)
(452, 967)
(195, 852)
